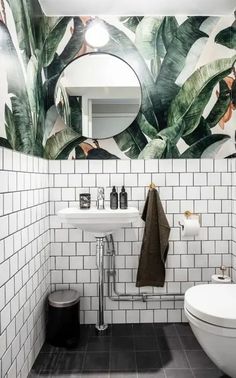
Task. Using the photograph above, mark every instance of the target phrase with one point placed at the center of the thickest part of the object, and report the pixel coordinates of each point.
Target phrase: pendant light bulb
(96, 34)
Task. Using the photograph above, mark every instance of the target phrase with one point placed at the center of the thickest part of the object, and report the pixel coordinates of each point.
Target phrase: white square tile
(179, 193)
(214, 179)
(194, 274)
(144, 179)
(109, 166)
(132, 316)
(165, 165)
(68, 194)
(207, 165)
(179, 165)
(214, 206)
(207, 192)
(200, 179)
(3, 181)
(173, 207)
(95, 166)
(221, 165)
(81, 166)
(131, 179)
(138, 194)
(159, 179)
(103, 180)
(201, 261)
(172, 179)
(186, 179)
(69, 276)
(181, 274)
(61, 180)
(67, 166)
(221, 192)
(88, 180)
(54, 166)
(123, 166)
(193, 192)
(75, 180)
(166, 193)
(137, 166)
(151, 165)
(193, 165)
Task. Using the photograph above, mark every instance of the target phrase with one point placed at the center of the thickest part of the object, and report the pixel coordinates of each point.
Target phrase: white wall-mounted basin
(98, 222)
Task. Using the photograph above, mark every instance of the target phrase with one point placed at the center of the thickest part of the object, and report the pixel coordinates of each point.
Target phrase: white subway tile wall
(24, 260)
(38, 254)
(202, 186)
(233, 194)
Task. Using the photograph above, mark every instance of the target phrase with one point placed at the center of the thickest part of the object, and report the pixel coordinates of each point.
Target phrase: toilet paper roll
(219, 279)
(191, 226)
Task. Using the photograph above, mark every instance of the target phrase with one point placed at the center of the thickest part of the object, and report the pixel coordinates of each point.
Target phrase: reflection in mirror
(99, 95)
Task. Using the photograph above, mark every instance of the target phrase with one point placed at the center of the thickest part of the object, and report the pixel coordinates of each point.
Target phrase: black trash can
(63, 318)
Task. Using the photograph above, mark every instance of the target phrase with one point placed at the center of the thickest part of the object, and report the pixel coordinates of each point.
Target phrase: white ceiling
(137, 7)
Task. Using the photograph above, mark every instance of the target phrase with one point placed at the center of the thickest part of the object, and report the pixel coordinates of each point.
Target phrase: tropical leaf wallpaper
(186, 67)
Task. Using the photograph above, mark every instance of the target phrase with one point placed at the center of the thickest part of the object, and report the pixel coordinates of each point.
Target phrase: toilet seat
(213, 304)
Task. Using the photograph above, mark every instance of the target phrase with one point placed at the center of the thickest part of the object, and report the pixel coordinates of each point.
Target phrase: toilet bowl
(211, 312)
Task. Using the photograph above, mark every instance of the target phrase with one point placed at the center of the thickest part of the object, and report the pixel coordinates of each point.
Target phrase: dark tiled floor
(129, 351)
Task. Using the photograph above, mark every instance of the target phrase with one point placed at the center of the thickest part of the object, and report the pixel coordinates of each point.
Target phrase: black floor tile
(143, 329)
(119, 330)
(190, 343)
(148, 360)
(183, 329)
(66, 375)
(173, 359)
(119, 374)
(70, 362)
(145, 343)
(170, 342)
(165, 329)
(208, 373)
(40, 375)
(48, 348)
(155, 373)
(92, 374)
(45, 362)
(179, 373)
(199, 359)
(85, 330)
(128, 351)
(122, 343)
(94, 332)
(97, 343)
(122, 361)
(98, 361)
(35, 375)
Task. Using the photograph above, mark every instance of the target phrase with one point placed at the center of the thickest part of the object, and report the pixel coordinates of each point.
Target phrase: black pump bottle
(123, 199)
(114, 199)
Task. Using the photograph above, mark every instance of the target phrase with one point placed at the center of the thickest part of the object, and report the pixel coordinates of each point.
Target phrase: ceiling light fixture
(96, 34)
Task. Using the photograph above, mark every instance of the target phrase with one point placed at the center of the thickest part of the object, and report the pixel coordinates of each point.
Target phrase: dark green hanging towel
(155, 244)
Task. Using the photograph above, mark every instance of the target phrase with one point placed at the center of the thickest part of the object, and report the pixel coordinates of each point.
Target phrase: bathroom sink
(98, 222)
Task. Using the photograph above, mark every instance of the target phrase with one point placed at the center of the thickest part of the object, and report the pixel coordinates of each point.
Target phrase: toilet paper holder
(189, 214)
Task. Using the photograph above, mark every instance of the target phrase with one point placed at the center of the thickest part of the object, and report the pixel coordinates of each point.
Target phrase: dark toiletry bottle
(123, 199)
(114, 199)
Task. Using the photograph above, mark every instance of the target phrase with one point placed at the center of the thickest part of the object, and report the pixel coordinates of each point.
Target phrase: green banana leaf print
(188, 97)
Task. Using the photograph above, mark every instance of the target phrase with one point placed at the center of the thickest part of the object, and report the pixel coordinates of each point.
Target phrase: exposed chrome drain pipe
(144, 297)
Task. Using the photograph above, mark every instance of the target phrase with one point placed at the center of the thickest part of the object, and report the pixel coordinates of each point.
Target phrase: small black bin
(63, 318)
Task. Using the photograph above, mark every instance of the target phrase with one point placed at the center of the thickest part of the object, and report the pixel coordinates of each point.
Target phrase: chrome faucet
(100, 198)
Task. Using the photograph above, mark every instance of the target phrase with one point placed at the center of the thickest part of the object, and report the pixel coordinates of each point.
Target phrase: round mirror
(98, 95)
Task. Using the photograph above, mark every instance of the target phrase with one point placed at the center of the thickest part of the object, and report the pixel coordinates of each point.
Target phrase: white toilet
(211, 312)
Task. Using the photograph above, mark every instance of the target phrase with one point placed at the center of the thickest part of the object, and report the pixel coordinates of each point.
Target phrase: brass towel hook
(152, 186)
